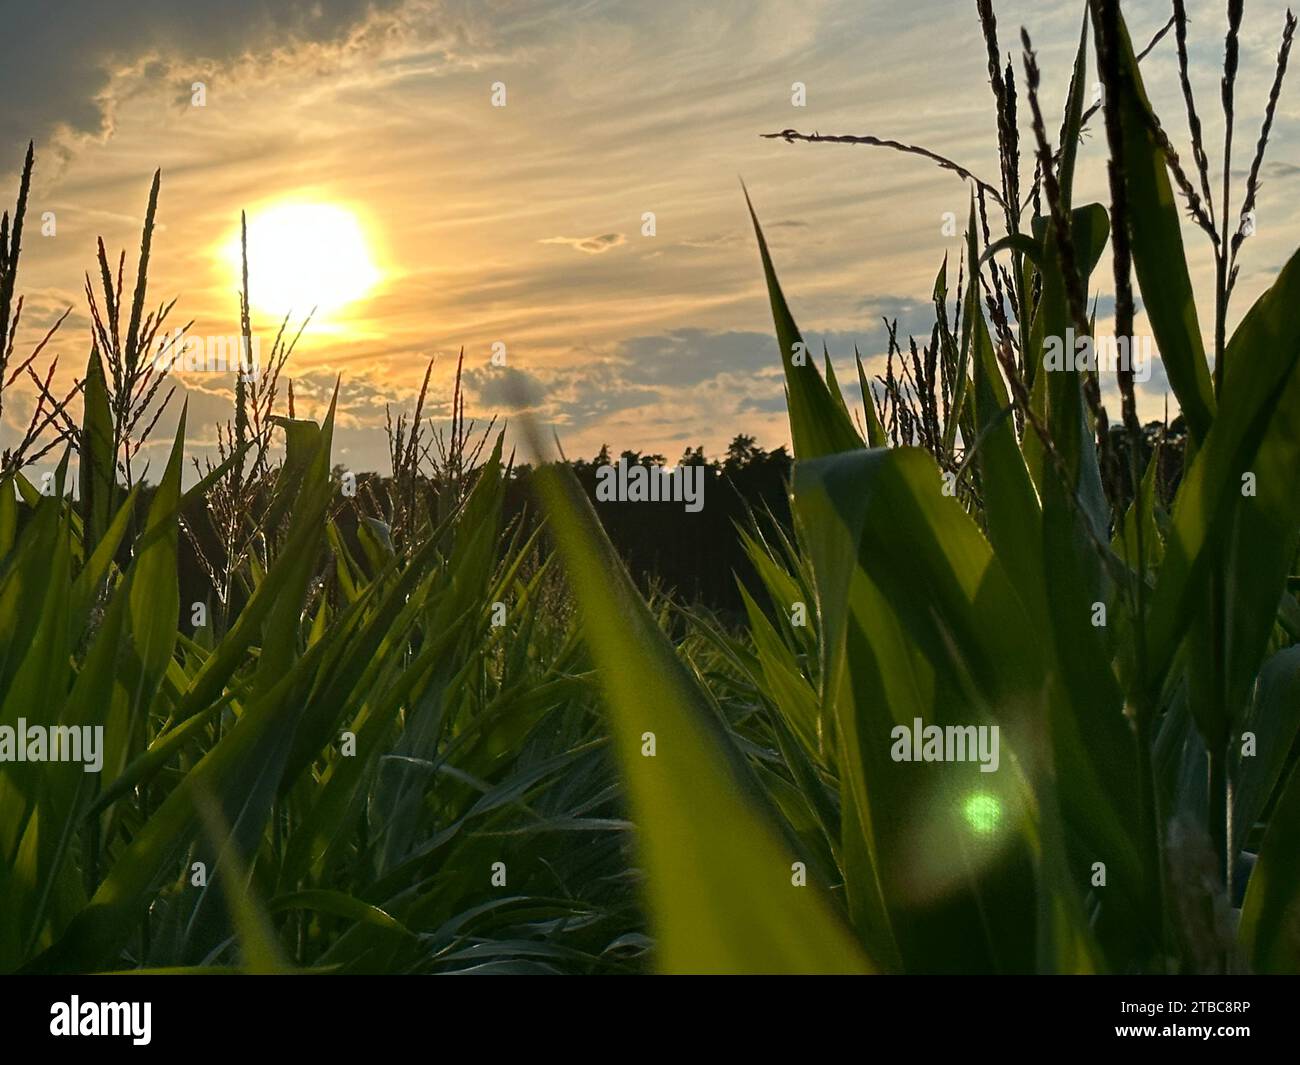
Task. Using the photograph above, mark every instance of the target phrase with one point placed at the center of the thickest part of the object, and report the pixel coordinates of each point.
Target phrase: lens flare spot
(983, 813)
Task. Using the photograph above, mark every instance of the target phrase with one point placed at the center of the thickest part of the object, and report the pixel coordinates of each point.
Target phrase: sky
(468, 225)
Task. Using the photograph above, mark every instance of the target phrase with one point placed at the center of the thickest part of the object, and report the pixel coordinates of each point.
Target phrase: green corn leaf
(704, 823)
(98, 563)
(1271, 909)
(338, 904)
(921, 622)
(818, 424)
(786, 686)
(875, 431)
(240, 775)
(152, 591)
(29, 831)
(97, 459)
(1158, 256)
(1071, 127)
(1274, 723)
(1057, 396)
(1125, 541)
(8, 517)
(1218, 528)
(261, 953)
(1011, 506)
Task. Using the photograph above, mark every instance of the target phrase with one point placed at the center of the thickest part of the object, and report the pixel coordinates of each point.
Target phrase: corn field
(401, 733)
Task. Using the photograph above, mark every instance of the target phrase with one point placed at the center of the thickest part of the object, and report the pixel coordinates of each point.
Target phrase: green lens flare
(982, 812)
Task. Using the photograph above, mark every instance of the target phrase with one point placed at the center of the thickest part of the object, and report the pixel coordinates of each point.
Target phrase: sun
(303, 256)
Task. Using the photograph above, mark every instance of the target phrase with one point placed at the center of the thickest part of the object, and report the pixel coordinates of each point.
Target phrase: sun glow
(304, 255)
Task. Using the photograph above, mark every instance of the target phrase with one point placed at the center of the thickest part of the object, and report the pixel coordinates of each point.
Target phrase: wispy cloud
(522, 225)
(589, 245)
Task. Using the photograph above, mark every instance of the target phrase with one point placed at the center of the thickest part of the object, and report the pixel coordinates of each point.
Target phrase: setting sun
(304, 255)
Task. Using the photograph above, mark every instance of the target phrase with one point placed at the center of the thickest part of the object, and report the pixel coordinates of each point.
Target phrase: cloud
(903, 308)
(590, 245)
(1157, 384)
(686, 376)
(506, 389)
(688, 357)
(74, 68)
(773, 404)
(737, 236)
(322, 100)
(1103, 308)
(574, 396)
(713, 240)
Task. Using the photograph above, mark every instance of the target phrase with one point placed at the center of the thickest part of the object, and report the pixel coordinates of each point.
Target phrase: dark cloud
(773, 404)
(903, 308)
(649, 371)
(693, 356)
(600, 392)
(506, 389)
(573, 396)
(67, 64)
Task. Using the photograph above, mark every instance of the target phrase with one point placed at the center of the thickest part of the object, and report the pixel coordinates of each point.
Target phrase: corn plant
(386, 758)
(1136, 654)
